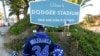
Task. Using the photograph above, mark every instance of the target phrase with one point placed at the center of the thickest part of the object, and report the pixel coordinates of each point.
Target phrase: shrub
(15, 44)
(53, 36)
(20, 26)
(53, 29)
(88, 41)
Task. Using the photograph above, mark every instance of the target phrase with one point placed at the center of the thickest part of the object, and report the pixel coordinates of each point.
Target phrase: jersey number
(40, 52)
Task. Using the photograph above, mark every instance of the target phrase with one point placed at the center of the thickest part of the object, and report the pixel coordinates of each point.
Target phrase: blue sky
(95, 9)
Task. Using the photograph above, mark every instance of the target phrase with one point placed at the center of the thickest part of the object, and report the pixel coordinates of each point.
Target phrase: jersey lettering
(40, 52)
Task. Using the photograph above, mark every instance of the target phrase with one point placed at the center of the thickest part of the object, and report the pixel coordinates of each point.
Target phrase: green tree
(22, 4)
(14, 11)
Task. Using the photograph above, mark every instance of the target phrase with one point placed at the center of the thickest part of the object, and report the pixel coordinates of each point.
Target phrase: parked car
(1, 24)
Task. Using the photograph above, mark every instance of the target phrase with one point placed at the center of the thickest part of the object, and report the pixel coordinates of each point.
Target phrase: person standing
(39, 44)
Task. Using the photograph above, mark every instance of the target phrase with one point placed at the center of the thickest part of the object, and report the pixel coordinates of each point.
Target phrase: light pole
(5, 16)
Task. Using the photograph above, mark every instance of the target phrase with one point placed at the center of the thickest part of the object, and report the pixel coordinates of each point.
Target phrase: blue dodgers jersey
(39, 45)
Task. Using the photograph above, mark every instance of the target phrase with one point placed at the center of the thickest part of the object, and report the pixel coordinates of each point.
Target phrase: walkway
(2, 50)
(63, 42)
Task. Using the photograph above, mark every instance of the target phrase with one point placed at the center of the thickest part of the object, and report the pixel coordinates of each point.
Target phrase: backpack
(58, 51)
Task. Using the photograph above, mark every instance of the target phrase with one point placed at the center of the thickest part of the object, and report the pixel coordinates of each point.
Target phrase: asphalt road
(3, 52)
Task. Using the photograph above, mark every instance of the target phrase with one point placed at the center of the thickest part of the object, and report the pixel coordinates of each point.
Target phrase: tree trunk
(25, 12)
(26, 8)
(17, 16)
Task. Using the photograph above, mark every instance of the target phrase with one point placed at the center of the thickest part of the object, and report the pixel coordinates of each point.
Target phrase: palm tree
(74, 1)
(15, 11)
(22, 4)
(82, 3)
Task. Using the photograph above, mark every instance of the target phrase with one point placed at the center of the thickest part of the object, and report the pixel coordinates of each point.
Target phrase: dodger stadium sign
(54, 13)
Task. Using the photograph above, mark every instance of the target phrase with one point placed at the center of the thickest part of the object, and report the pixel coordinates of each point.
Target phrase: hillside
(82, 42)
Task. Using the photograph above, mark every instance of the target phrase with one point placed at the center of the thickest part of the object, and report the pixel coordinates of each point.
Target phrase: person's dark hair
(40, 29)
